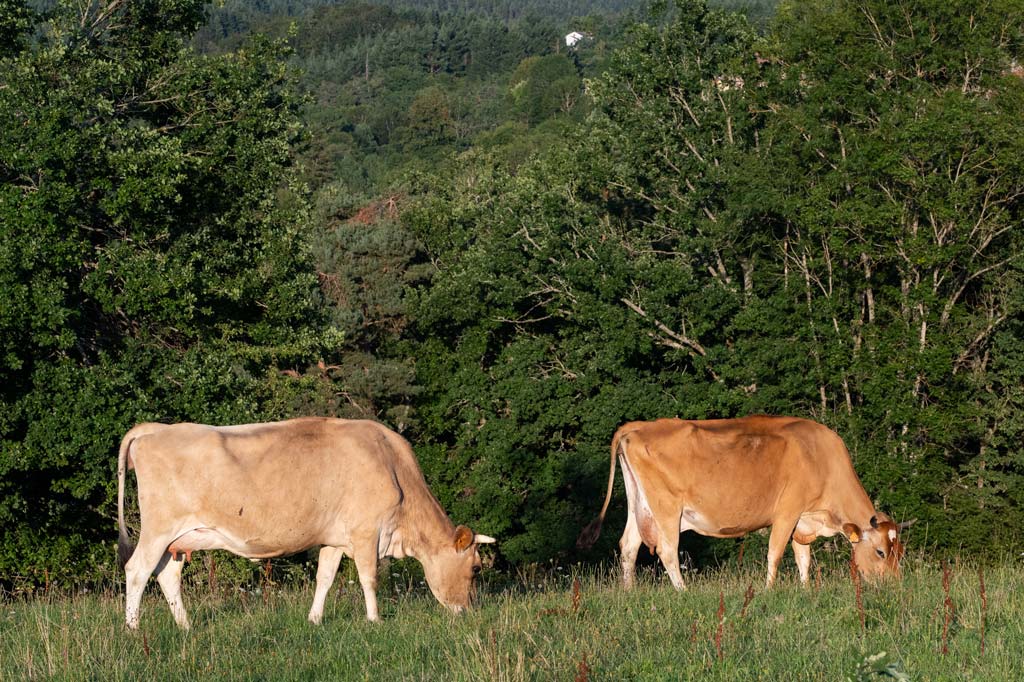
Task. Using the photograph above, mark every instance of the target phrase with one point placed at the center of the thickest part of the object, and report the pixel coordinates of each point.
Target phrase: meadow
(954, 621)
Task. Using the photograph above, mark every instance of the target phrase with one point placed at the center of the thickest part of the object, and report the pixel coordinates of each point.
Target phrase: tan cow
(726, 477)
(269, 490)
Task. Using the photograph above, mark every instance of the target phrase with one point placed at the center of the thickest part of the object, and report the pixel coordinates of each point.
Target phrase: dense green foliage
(436, 215)
(537, 630)
(823, 223)
(151, 265)
(902, 229)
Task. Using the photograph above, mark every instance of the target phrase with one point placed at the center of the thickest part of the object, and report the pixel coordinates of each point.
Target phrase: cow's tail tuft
(125, 548)
(589, 535)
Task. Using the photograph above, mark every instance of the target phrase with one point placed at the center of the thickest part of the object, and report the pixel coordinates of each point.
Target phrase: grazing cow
(726, 477)
(269, 490)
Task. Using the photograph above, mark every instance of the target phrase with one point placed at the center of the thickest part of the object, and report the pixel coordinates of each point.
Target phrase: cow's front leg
(366, 565)
(326, 569)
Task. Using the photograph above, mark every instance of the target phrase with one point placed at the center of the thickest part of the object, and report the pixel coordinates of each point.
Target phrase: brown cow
(269, 490)
(726, 477)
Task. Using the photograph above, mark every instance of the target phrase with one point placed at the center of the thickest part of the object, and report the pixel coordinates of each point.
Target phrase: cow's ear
(852, 532)
(463, 538)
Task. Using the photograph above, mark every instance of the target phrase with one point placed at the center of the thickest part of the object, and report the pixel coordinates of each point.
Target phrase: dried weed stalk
(949, 608)
(747, 598)
(583, 671)
(855, 577)
(266, 582)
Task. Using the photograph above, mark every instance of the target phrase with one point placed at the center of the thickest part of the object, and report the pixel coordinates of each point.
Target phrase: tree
(820, 223)
(16, 20)
(152, 265)
(890, 157)
(366, 261)
(544, 86)
(564, 301)
(429, 120)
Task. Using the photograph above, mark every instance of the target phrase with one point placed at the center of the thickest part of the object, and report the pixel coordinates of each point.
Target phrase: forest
(439, 216)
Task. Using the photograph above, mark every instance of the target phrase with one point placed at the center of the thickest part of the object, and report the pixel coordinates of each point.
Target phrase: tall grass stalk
(984, 605)
(720, 617)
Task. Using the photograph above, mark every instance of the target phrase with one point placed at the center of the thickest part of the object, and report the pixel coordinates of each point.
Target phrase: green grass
(530, 630)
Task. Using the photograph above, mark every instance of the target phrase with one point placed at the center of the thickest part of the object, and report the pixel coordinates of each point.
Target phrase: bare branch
(689, 145)
(948, 308)
(728, 117)
(677, 95)
(675, 339)
(977, 341)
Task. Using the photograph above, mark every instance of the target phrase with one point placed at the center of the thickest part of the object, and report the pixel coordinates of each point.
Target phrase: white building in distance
(572, 38)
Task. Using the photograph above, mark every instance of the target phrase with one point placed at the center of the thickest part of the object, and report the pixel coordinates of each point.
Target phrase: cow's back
(742, 465)
(277, 488)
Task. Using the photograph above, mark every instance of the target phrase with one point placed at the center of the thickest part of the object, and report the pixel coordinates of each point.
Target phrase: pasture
(557, 624)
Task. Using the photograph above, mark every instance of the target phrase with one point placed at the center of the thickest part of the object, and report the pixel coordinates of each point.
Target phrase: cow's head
(452, 570)
(877, 549)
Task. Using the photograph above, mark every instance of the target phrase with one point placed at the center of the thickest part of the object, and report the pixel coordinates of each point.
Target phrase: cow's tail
(588, 536)
(125, 548)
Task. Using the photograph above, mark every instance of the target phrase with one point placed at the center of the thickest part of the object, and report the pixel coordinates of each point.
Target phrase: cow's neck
(423, 528)
(856, 507)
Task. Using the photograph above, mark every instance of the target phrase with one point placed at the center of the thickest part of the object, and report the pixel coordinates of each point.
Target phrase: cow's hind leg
(668, 552)
(782, 531)
(168, 575)
(802, 553)
(326, 569)
(143, 562)
(366, 565)
(629, 545)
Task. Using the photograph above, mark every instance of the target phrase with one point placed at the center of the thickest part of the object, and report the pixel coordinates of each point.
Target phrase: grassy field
(565, 626)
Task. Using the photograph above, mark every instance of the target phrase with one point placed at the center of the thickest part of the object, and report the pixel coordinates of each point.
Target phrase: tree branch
(675, 339)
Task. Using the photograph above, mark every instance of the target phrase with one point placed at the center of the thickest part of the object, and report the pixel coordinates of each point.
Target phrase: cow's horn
(483, 539)
(906, 524)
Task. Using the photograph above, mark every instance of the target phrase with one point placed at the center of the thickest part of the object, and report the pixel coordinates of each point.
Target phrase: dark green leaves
(818, 223)
(152, 265)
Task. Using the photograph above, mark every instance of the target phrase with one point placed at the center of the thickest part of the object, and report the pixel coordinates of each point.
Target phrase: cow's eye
(476, 569)
(880, 553)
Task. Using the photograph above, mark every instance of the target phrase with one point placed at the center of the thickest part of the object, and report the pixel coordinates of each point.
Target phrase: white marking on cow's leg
(802, 553)
(326, 569)
(136, 572)
(668, 552)
(629, 545)
(781, 532)
(168, 575)
(366, 566)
